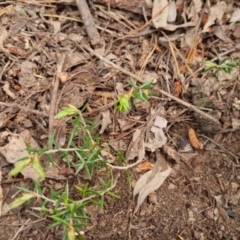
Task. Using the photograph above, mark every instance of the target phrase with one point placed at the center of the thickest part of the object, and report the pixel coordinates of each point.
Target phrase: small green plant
(136, 92)
(82, 153)
(223, 65)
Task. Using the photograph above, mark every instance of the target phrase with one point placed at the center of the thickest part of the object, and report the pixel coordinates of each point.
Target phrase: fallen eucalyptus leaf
(151, 180)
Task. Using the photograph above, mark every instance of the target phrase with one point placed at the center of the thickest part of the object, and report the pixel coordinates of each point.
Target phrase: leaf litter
(151, 180)
(174, 63)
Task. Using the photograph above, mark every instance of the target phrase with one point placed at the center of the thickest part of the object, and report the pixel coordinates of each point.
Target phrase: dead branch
(88, 22)
(186, 104)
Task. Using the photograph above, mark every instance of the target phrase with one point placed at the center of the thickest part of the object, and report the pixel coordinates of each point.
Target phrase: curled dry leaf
(143, 167)
(151, 180)
(194, 139)
(63, 77)
(106, 120)
(15, 50)
(216, 12)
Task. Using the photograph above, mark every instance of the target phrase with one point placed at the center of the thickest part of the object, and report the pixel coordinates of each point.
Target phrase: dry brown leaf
(136, 147)
(151, 180)
(172, 12)
(106, 120)
(235, 16)
(216, 12)
(52, 172)
(220, 33)
(26, 78)
(172, 153)
(194, 139)
(161, 20)
(158, 141)
(8, 91)
(197, 5)
(160, 122)
(143, 167)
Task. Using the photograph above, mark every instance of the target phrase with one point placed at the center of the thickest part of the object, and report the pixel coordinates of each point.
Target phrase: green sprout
(136, 92)
(224, 65)
(82, 154)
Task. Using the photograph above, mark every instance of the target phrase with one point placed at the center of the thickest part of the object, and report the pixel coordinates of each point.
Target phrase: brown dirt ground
(200, 199)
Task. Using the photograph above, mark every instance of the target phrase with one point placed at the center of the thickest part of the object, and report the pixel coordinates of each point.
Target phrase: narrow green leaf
(20, 167)
(37, 166)
(21, 200)
(114, 195)
(59, 220)
(70, 110)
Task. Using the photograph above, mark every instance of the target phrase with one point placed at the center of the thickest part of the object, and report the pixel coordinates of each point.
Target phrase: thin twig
(88, 22)
(20, 229)
(224, 149)
(186, 104)
(15, 105)
(54, 95)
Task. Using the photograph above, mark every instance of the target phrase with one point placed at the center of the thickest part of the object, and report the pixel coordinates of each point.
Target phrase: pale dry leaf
(119, 145)
(26, 78)
(220, 33)
(136, 147)
(236, 103)
(75, 58)
(3, 117)
(119, 88)
(53, 173)
(215, 12)
(189, 38)
(75, 37)
(5, 208)
(151, 76)
(158, 141)
(3, 37)
(8, 91)
(101, 49)
(1, 194)
(197, 5)
(235, 16)
(161, 20)
(129, 57)
(125, 124)
(16, 149)
(172, 12)
(151, 180)
(235, 198)
(56, 26)
(106, 120)
(160, 122)
(235, 123)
